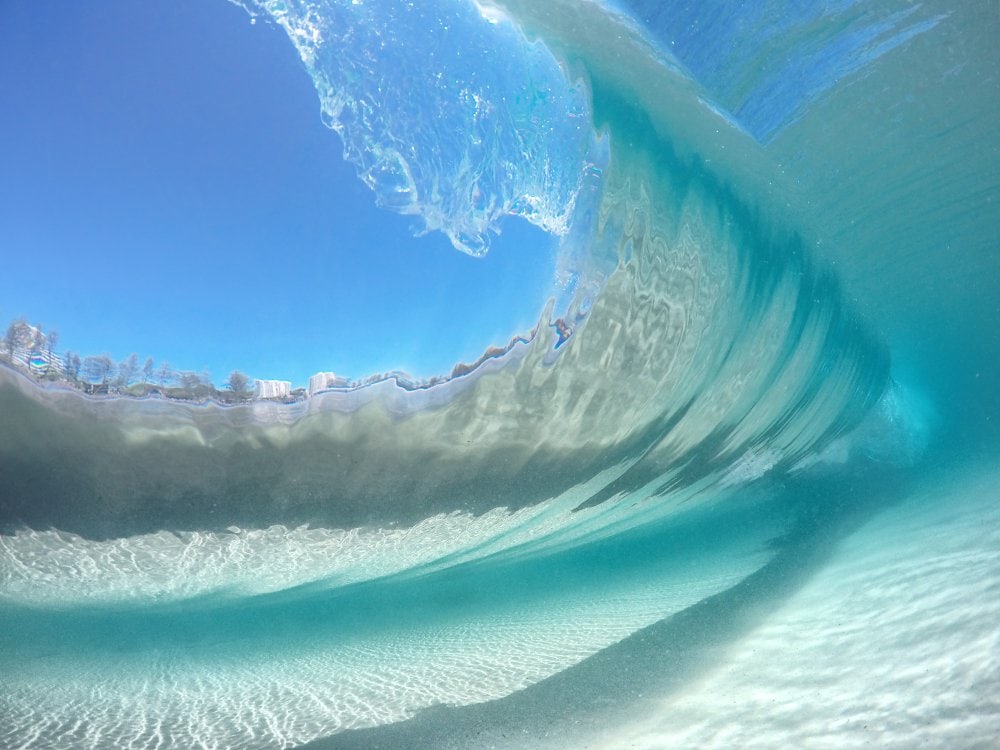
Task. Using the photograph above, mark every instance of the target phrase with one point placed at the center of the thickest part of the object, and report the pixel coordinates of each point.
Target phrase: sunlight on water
(735, 487)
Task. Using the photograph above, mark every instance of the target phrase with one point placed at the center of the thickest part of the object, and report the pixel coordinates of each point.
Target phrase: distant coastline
(28, 350)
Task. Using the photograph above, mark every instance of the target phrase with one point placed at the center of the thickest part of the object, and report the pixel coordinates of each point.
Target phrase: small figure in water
(563, 330)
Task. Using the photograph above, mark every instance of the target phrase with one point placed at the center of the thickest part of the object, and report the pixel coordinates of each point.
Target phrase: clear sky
(167, 187)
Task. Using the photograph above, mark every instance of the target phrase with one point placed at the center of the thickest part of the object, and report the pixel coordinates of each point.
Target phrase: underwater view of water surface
(499, 374)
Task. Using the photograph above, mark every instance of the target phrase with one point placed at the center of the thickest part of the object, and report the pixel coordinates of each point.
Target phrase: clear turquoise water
(749, 500)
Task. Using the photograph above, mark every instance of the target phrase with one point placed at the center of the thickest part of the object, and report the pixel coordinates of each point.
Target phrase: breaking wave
(261, 575)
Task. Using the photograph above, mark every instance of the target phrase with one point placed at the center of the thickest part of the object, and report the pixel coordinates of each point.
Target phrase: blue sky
(168, 188)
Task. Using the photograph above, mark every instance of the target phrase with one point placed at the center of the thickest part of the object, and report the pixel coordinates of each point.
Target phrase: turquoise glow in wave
(787, 54)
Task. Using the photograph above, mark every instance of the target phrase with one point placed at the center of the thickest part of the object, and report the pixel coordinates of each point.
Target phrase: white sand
(895, 643)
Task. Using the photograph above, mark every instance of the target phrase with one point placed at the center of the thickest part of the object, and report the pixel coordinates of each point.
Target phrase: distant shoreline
(26, 355)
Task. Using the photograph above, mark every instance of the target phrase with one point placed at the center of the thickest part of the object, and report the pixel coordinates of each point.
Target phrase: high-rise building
(272, 388)
(324, 381)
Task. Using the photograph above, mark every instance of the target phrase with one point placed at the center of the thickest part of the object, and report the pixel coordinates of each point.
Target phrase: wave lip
(448, 114)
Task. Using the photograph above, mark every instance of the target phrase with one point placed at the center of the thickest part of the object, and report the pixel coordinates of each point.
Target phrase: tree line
(101, 374)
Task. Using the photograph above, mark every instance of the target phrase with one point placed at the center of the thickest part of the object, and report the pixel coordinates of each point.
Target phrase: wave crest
(449, 114)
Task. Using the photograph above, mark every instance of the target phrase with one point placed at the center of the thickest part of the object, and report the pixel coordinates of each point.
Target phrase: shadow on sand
(659, 660)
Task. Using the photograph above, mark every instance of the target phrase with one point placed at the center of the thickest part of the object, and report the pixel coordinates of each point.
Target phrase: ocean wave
(696, 353)
(708, 347)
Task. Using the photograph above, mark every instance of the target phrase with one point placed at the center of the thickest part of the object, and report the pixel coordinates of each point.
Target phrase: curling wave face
(693, 350)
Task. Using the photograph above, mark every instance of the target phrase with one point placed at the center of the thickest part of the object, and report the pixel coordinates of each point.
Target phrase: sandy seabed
(895, 643)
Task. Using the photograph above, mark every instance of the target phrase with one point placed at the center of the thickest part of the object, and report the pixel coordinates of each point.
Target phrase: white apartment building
(272, 388)
(324, 381)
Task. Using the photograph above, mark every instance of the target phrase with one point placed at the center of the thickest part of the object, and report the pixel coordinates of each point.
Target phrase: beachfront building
(272, 389)
(324, 381)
